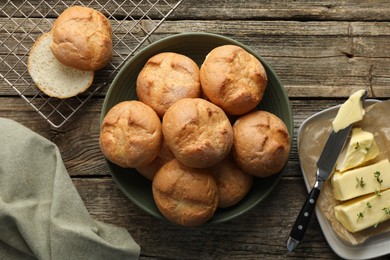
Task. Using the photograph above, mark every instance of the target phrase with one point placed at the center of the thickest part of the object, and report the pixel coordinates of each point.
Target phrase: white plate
(374, 247)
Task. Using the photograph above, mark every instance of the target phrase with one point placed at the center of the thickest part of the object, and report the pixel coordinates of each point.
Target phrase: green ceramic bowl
(196, 46)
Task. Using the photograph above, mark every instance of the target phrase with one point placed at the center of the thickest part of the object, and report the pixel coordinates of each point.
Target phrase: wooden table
(322, 51)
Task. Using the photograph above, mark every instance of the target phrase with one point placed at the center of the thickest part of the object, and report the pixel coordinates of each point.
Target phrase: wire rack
(25, 21)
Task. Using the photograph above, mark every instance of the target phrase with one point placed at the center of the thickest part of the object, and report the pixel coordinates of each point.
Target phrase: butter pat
(364, 212)
(361, 148)
(361, 181)
(350, 112)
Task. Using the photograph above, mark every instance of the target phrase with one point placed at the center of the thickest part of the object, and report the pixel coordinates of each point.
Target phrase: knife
(325, 165)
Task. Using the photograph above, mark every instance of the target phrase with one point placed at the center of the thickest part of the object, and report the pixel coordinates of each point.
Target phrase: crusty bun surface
(131, 134)
(165, 155)
(166, 78)
(233, 183)
(51, 76)
(82, 38)
(233, 79)
(185, 195)
(261, 143)
(198, 132)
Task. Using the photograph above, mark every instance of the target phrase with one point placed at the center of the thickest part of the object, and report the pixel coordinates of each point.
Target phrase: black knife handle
(303, 219)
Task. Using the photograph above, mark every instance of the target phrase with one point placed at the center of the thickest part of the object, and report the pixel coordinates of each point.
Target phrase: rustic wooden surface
(322, 51)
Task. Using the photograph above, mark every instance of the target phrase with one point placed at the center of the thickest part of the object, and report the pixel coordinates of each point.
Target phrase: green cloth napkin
(41, 213)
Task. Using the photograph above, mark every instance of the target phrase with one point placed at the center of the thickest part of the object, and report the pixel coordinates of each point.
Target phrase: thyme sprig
(360, 182)
(386, 211)
(377, 175)
(357, 145)
(361, 213)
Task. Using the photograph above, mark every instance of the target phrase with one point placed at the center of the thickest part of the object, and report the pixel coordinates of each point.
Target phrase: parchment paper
(311, 142)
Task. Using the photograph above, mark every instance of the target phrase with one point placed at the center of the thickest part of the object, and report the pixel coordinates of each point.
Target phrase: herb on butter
(361, 213)
(386, 212)
(357, 146)
(377, 175)
(360, 182)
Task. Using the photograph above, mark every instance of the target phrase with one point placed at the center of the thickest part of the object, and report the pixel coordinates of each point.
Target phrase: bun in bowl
(261, 143)
(166, 78)
(233, 183)
(197, 132)
(165, 155)
(233, 79)
(131, 134)
(185, 195)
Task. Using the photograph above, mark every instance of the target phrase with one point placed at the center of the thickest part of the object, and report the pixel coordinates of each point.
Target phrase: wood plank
(291, 10)
(315, 59)
(321, 50)
(375, 10)
(260, 233)
(78, 139)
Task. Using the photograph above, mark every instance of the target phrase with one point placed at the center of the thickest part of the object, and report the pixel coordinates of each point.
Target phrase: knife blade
(325, 166)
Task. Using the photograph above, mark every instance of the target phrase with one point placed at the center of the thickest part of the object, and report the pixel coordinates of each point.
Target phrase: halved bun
(51, 76)
(82, 38)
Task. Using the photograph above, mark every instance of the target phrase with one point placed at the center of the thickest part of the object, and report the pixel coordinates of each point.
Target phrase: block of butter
(361, 181)
(350, 112)
(364, 212)
(360, 149)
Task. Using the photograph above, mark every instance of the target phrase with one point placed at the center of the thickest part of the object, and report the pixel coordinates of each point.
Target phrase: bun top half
(82, 38)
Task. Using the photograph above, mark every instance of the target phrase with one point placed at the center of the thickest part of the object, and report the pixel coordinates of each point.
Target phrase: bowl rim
(289, 122)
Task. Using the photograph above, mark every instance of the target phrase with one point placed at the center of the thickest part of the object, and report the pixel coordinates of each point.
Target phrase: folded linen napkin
(41, 213)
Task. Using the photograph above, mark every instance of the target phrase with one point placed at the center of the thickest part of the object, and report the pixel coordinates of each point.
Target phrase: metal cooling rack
(25, 21)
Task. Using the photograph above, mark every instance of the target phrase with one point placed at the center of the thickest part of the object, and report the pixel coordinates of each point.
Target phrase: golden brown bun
(261, 143)
(233, 79)
(166, 78)
(233, 183)
(131, 134)
(198, 132)
(82, 38)
(152, 168)
(184, 195)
